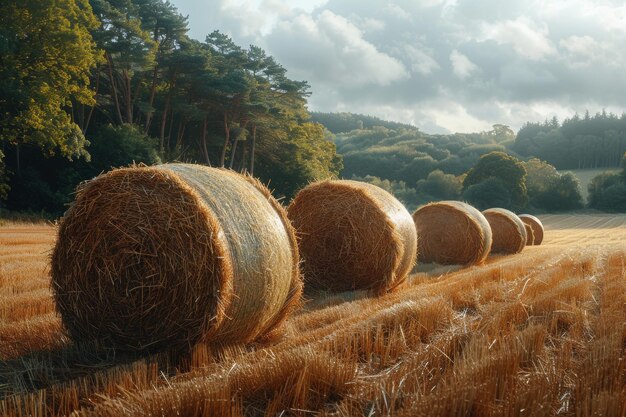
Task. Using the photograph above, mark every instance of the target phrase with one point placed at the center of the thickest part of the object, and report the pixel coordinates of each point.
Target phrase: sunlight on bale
(452, 232)
(536, 226)
(508, 231)
(530, 234)
(171, 255)
(353, 235)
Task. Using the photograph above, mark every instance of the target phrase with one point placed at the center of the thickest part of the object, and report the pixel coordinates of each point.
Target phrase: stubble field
(538, 333)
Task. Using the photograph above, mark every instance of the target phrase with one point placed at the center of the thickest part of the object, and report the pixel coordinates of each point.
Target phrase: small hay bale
(167, 256)
(508, 231)
(353, 235)
(452, 232)
(536, 225)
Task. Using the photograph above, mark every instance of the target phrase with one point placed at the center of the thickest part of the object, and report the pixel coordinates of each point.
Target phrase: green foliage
(607, 191)
(300, 156)
(118, 146)
(562, 194)
(4, 186)
(212, 102)
(508, 169)
(550, 191)
(579, 143)
(346, 122)
(47, 54)
(409, 155)
(492, 192)
(47, 183)
(406, 195)
(436, 187)
(439, 186)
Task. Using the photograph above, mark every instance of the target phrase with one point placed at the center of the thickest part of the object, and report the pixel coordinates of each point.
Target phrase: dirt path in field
(543, 331)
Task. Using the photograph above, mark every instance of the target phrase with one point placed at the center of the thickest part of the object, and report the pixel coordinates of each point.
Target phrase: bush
(550, 191)
(398, 189)
(493, 192)
(440, 186)
(509, 170)
(561, 194)
(607, 192)
(114, 147)
(45, 184)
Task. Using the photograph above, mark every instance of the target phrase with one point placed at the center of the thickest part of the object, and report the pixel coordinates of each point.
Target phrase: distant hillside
(346, 122)
(410, 155)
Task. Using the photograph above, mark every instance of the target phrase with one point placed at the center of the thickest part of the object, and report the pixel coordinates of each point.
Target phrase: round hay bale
(508, 231)
(536, 225)
(452, 232)
(172, 255)
(353, 235)
(530, 235)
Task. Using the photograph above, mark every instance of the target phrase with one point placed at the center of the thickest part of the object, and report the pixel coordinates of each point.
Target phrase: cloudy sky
(442, 65)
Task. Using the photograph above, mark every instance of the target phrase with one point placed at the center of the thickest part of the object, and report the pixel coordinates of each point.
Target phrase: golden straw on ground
(353, 235)
(452, 232)
(167, 256)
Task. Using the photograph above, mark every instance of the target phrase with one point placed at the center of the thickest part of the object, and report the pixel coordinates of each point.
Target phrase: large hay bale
(536, 226)
(171, 255)
(508, 231)
(452, 232)
(353, 235)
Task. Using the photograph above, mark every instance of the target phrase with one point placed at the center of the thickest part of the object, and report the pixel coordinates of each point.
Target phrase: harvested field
(542, 332)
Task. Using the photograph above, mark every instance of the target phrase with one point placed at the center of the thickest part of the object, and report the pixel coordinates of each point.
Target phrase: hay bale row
(353, 235)
(452, 232)
(171, 255)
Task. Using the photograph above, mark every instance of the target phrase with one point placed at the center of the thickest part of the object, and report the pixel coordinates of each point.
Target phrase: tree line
(86, 85)
(597, 141)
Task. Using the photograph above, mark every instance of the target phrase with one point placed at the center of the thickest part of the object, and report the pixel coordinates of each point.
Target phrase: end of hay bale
(452, 232)
(536, 225)
(353, 235)
(167, 256)
(508, 231)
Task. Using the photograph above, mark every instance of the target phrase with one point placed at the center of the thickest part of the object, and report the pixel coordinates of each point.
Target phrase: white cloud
(421, 61)
(368, 24)
(461, 65)
(444, 65)
(396, 11)
(528, 39)
(330, 49)
(584, 46)
(454, 117)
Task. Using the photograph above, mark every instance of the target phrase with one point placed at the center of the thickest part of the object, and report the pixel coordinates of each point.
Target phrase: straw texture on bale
(452, 232)
(536, 225)
(353, 235)
(530, 235)
(172, 255)
(508, 231)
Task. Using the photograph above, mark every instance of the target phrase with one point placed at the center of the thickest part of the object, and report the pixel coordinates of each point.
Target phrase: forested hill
(86, 85)
(406, 154)
(400, 152)
(346, 122)
(419, 167)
